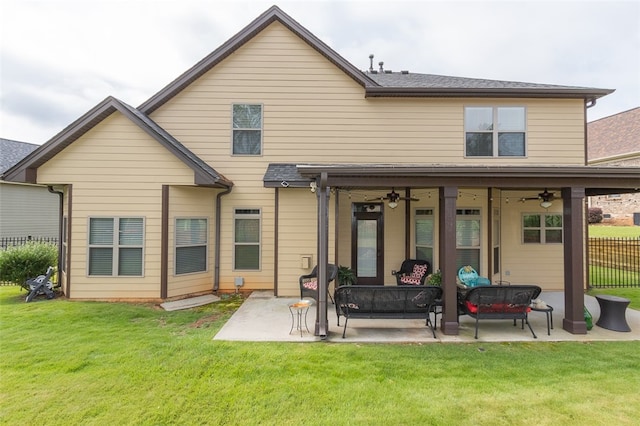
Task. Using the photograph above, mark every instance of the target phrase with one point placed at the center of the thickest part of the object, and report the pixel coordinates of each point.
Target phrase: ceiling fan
(393, 198)
(546, 197)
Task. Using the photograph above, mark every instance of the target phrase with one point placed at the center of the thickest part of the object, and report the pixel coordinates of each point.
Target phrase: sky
(60, 58)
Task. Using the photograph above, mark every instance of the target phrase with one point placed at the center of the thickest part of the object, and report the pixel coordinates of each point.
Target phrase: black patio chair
(413, 271)
(309, 282)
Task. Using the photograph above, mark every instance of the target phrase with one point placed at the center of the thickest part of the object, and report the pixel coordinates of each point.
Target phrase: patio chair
(309, 282)
(412, 272)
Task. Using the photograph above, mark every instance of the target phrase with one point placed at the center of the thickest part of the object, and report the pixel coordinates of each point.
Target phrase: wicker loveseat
(511, 302)
(379, 302)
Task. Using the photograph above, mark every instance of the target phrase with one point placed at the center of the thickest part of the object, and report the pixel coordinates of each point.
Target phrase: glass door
(367, 255)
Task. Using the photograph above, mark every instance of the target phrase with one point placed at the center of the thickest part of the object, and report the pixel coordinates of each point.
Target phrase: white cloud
(59, 58)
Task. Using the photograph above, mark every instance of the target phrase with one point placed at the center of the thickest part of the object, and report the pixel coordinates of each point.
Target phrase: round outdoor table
(612, 312)
(299, 312)
(549, 311)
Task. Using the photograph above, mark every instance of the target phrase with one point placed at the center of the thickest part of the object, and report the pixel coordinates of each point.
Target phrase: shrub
(595, 215)
(30, 260)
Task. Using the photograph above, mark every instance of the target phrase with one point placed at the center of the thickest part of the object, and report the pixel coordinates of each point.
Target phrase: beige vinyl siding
(314, 113)
(188, 202)
(116, 170)
(539, 264)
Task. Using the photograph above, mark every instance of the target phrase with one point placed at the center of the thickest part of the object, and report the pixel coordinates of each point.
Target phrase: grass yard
(601, 231)
(94, 363)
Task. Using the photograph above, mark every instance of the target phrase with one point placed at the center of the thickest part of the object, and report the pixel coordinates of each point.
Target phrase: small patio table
(548, 310)
(299, 311)
(612, 312)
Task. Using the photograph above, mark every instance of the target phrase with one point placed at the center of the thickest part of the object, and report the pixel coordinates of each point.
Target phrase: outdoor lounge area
(263, 317)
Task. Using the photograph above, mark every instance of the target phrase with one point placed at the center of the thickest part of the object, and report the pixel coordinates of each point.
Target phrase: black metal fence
(614, 262)
(20, 241)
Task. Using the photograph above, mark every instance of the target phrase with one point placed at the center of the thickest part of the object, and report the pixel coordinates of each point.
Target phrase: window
(468, 238)
(191, 245)
(63, 252)
(424, 235)
(542, 228)
(246, 253)
(494, 131)
(247, 129)
(496, 241)
(115, 246)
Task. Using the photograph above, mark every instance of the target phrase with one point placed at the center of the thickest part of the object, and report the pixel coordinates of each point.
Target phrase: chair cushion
(419, 270)
(497, 308)
(311, 285)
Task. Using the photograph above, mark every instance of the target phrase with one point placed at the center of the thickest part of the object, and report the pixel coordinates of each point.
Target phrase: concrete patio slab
(265, 318)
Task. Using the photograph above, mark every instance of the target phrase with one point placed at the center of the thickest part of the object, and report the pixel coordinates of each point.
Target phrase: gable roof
(25, 170)
(375, 84)
(273, 14)
(13, 151)
(614, 136)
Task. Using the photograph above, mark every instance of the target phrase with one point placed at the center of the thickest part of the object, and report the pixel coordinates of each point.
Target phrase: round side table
(299, 312)
(612, 312)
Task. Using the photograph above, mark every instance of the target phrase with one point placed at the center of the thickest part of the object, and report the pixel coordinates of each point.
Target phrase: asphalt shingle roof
(614, 135)
(13, 151)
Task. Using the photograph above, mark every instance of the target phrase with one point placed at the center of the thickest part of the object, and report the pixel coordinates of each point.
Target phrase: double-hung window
(116, 246)
(541, 228)
(246, 253)
(191, 245)
(495, 131)
(468, 238)
(247, 129)
(424, 234)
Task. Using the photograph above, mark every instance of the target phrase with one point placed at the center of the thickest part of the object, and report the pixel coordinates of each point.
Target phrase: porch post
(447, 255)
(573, 228)
(322, 324)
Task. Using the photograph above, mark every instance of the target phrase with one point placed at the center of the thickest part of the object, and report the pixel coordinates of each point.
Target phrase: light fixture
(546, 204)
(313, 186)
(393, 204)
(393, 198)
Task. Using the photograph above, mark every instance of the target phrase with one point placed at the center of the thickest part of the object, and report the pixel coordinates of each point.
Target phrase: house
(274, 153)
(26, 210)
(615, 141)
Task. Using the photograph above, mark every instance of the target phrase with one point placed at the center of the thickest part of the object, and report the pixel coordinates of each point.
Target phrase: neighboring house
(615, 141)
(274, 153)
(26, 210)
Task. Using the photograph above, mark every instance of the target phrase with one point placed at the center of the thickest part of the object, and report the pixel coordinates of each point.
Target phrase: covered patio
(266, 318)
(574, 184)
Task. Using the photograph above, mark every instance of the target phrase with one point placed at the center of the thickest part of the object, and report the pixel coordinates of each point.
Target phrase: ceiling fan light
(545, 204)
(393, 204)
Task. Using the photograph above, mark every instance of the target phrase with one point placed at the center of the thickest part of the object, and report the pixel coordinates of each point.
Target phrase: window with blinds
(246, 250)
(424, 234)
(116, 246)
(468, 238)
(191, 245)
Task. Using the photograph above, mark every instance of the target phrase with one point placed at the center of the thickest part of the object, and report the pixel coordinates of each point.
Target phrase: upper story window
(495, 131)
(247, 129)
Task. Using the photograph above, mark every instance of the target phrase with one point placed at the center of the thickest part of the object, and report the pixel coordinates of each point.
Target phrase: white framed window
(191, 240)
(247, 230)
(116, 246)
(541, 228)
(424, 234)
(247, 129)
(495, 131)
(468, 238)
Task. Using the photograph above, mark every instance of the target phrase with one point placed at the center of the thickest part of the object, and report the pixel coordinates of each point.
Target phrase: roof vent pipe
(381, 64)
(371, 63)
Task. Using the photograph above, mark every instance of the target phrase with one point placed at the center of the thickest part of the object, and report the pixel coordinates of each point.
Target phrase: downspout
(216, 274)
(60, 230)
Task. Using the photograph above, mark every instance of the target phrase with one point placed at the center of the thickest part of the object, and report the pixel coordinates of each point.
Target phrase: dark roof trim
(386, 175)
(271, 15)
(577, 93)
(26, 170)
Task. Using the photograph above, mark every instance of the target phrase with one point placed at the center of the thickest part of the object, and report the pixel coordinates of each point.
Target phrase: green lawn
(95, 363)
(614, 231)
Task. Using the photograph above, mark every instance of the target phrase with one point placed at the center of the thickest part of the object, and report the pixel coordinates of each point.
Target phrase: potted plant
(346, 276)
(435, 278)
